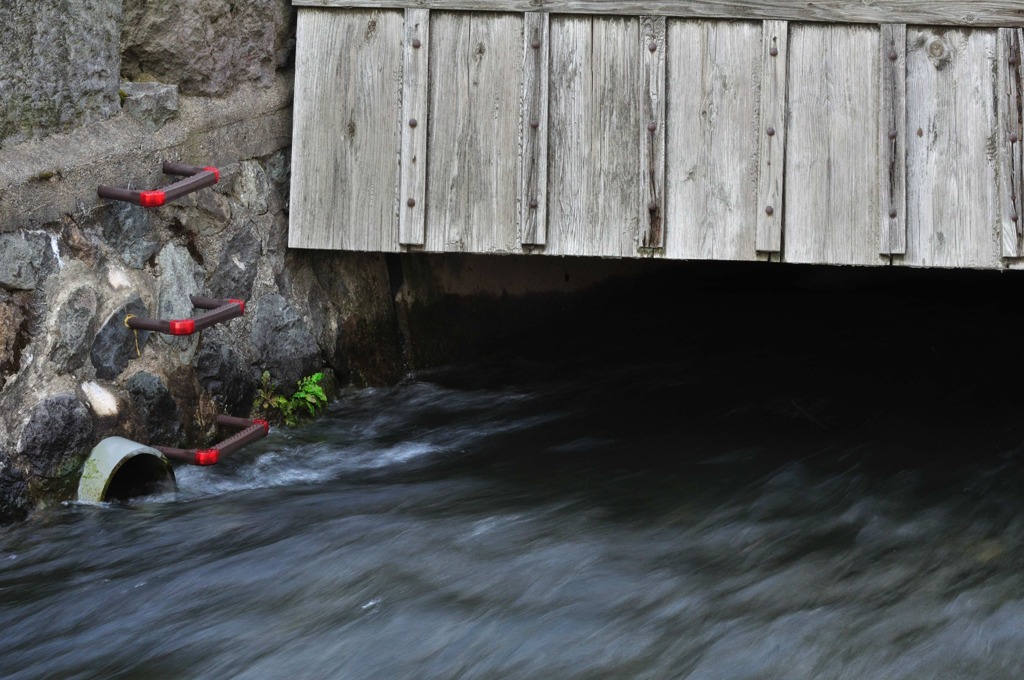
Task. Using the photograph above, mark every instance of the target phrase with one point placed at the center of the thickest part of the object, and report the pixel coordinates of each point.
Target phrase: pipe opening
(119, 469)
(140, 475)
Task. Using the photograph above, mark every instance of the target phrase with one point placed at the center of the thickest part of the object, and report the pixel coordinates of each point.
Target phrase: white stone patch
(117, 278)
(55, 247)
(238, 263)
(102, 402)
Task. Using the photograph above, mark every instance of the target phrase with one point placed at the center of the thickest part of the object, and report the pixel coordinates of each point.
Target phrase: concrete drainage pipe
(119, 469)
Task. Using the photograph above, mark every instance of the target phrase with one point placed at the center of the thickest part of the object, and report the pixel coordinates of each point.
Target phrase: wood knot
(939, 51)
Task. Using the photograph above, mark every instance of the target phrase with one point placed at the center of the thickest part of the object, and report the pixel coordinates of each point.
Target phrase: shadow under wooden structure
(839, 131)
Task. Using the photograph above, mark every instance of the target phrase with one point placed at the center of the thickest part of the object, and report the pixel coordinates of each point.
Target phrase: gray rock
(253, 187)
(236, 273)
(151, 104)
(158, 412)
(223, 373)
(59, 65)
(114, 344)
(180, 277)
(58, 437)
(76, 321)
(207, 47)
(281, 340)
(25, 258)
(128, 228)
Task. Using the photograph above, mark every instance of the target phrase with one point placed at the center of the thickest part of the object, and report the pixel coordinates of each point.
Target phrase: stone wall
(204, 82)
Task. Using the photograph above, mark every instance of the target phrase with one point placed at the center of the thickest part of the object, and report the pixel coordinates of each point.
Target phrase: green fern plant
(307, 401)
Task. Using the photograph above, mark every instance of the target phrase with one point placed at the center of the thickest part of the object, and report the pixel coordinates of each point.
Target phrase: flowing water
(708, 497)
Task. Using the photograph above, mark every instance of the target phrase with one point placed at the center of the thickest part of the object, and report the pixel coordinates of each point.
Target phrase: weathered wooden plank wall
(953, 207)
(934, 12)
(641, 136)
(346, 132)
(713, 119)
(476, 76)
(831, 215)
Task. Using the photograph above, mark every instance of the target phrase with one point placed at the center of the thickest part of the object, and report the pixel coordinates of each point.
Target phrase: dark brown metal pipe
(118, 194)
(181, 169)
(218, 315)
(143, 323)
(252, 433)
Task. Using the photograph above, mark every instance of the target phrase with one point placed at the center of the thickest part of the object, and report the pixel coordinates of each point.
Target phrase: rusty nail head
(652, 207)
(416, 43)
(769, 211)
(893, 56)
(533, 202)
(535, 44)
(411, 203)
(892, 133)
(653, 47)
(774, 51)
(1013, 217)
(1013, 137)
(892, 213)
(652, 126)
(412, 122)
(535, 124)
(770, 131)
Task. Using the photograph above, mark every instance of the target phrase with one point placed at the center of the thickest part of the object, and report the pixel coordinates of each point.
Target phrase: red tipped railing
(220, 310)
(251, 430)
(196, 178)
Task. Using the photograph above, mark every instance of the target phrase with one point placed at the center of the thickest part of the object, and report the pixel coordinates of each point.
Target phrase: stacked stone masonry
(102, 91)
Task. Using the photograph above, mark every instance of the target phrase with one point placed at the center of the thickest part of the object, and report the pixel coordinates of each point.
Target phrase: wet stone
(128, 229)
(75, 323)
(284, 345)
(58, 436)
(26, 259)
(223, 373)
(157, 411)
(236, 273)
(114, 345)
(14, 495)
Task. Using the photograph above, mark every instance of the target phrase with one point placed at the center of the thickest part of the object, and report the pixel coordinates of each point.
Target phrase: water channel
(792, 480)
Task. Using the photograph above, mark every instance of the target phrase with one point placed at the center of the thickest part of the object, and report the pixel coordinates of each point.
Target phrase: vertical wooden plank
(772, 151)
(533, 166)
(346, 134)
(415, 119)
(832, 152)
(652, 94)
(953, 211)
(713, 133)
(594, 196)
(476, 76)
(1011, 134)
(892, 139)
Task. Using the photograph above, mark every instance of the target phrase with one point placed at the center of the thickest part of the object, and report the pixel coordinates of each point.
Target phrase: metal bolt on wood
(535, 44)
(769, 210)
(652, 126)
(411, 203)
(416, 43)
(413, 123)
(774, 51)
(770, 131)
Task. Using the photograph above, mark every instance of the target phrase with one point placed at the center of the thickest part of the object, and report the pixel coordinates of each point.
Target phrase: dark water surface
(777, 483)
